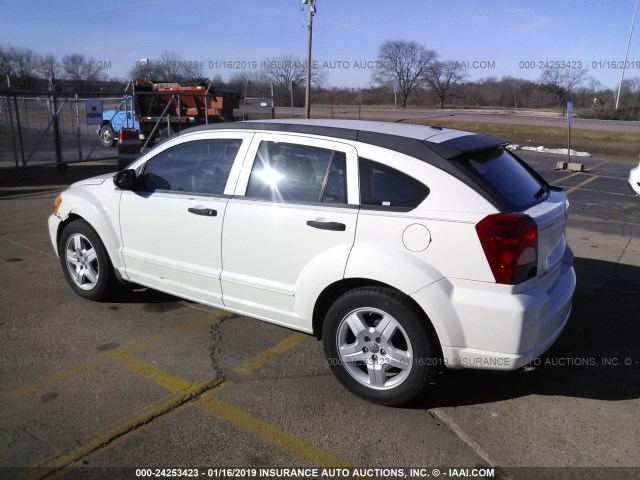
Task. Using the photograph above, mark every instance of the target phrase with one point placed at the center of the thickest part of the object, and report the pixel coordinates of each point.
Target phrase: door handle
(335, 226)
(207, 212)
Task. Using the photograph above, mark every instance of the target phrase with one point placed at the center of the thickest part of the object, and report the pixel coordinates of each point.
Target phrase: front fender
(101, 210)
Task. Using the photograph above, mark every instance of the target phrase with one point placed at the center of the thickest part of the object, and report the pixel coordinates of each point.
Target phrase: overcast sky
(494, 36)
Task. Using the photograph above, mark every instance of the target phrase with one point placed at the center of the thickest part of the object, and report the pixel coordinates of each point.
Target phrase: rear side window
(284, 172)
(507, 177)
(387, 187)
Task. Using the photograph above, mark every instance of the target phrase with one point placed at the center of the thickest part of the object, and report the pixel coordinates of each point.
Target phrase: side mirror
(125, 179)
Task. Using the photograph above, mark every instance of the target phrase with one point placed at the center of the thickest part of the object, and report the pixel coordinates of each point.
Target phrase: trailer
(160, 109)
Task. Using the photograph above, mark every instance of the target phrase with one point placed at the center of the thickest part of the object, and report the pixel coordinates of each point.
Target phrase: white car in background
(404, 248)
(634, 179)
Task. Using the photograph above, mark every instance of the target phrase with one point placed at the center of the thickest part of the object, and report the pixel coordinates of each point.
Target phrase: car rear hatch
(515, 188)
(551, 218)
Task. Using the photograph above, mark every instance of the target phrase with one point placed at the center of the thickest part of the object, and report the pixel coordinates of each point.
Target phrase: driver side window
(198, 167)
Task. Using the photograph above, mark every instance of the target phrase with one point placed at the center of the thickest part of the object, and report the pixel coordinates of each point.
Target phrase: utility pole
(307, 96)
(626, 55)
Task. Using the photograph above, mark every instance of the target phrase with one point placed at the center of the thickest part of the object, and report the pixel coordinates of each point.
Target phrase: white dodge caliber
(403, 247)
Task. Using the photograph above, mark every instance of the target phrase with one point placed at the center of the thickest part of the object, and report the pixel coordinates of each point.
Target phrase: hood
(93, 180)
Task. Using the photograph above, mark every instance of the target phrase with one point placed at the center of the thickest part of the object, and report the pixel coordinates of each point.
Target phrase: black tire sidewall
(411, 321)
(105, 285)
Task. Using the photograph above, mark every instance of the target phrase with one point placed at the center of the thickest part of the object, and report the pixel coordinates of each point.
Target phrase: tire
(107, 136)
(85, 262)
(389, 364)
(164, 133)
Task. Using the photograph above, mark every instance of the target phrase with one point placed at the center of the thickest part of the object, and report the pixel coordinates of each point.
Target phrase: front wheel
(85, 262)
(378, 346)
(107, 136)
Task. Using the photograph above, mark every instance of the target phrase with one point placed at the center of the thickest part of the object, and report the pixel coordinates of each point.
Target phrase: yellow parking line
(610, 193)
(286, 441)
(166, 380)
(20, 392)
(209, 403)
(593, 167)
(12, 395)
(223, 410)
(560, 180)
(53, 463)
(46, 254)
(174, 332)
(271, 353)
(582, 184)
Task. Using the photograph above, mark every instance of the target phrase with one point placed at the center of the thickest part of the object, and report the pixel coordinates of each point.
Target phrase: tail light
(510, 243)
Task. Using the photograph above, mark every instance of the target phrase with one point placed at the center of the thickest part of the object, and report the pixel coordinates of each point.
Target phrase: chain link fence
(43, 128)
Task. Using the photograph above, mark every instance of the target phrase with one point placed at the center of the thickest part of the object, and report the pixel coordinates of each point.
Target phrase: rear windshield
(508, 177)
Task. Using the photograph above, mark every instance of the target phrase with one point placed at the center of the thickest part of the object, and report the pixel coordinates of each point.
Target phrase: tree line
(404, 70)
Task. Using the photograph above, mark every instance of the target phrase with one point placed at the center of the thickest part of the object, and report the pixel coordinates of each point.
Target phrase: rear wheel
(378, 346)
(107, 136)
(85, 262)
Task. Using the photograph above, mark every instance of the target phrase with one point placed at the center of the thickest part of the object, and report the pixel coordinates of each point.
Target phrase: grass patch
(606, 145)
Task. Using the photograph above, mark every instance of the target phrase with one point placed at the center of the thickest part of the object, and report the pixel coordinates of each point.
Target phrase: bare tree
(404, 63)
(141, 70)
(81, 70)
(253, 82)
(286, 70)
(632, 85)
(192, 71)
(561, 82)
(170, 67)
(443, 77)
(50, 69)
(22, 64)
(4, 65)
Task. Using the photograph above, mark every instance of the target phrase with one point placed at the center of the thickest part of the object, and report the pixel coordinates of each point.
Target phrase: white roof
(409, 130)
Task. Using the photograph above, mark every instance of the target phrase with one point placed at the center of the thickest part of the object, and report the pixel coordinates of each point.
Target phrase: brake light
(510, 243)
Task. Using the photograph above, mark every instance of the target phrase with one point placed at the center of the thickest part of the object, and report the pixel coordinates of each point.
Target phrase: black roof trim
(440, 155)
(466, 144)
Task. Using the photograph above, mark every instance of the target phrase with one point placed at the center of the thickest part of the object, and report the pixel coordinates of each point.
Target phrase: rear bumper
(498, 327)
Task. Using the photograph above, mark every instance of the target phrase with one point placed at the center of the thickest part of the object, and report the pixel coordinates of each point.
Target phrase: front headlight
(56, 204)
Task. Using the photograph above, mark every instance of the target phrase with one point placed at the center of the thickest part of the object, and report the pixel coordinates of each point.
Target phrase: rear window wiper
(542, 191)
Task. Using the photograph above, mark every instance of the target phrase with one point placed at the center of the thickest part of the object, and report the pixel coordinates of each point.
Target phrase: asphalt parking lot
(149, 380)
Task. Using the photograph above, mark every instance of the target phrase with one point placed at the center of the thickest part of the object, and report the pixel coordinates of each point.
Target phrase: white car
(403, 247)
(634, 179)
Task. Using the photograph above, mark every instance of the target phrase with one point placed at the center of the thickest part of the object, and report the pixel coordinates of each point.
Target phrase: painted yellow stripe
(184, 390)
(610, 193)
(222, 410)
(166, 380)
(560, 180)
(49, 465)
(286, 441)
(271, 353)
(593, 167)
(27, 247)
(174, 332)
(582, 184)
(21, 392)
